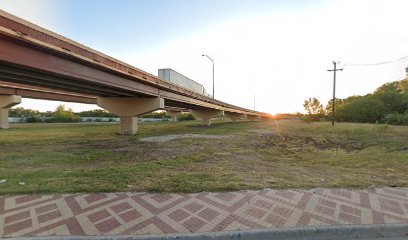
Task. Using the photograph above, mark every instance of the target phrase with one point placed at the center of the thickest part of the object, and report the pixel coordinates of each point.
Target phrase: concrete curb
(362, 232)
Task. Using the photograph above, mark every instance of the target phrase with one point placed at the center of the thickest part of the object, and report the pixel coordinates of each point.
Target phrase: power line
(375, 64)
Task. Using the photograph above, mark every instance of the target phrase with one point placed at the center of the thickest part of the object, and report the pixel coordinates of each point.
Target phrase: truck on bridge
(174, 77)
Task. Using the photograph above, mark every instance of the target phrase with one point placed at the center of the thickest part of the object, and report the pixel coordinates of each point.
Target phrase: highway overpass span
(38, 63)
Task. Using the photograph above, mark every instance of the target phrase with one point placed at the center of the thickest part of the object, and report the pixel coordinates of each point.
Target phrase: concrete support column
(206, 115)
(128, 125)
(253, 117)
(173, 114)
(234, 116)
(128, 109)
(6, 102)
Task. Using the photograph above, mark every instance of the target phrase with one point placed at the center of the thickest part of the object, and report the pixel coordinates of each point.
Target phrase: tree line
(62, 114)
(387, 104)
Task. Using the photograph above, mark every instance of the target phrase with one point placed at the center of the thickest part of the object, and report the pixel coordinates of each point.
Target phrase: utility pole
(334, 70)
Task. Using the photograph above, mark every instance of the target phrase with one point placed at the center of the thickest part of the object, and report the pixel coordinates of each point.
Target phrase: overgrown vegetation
(388, 104)
(63, 115)
(86, 157)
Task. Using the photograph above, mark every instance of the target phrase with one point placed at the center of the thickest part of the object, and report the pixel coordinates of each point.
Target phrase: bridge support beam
(128, 109)
(253, 117)
(206, 115)
(173, 114)
(6, 102)
(234, 116)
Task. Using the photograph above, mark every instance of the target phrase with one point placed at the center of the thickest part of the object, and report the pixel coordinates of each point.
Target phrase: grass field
(52, 158)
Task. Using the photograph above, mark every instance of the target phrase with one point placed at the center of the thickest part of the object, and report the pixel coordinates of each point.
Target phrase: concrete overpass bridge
(37, 63)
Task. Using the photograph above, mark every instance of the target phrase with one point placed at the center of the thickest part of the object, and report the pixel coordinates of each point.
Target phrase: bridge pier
(253, 117)
(128, 109)
(206, 115)
(6, 102)
(173, 114)
(234, 116)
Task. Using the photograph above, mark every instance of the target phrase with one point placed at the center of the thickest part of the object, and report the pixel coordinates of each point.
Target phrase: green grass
(52, 158)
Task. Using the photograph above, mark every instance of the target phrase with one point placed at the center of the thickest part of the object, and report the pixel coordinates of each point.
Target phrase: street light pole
(212, 60)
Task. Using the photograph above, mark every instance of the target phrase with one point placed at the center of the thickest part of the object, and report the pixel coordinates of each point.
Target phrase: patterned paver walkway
(143, 213)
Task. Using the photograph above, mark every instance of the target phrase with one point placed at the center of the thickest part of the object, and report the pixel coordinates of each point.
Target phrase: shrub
(185, 117)
(64, 118)
(62, 115)
(313, 117)
(157, 115)
(96, 113)
(396, 119)
(35, 119)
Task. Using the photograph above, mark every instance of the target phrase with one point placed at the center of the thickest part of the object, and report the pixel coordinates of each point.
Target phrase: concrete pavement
(147, 213)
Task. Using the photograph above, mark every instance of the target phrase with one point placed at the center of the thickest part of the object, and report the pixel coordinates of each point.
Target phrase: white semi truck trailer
(169, 75)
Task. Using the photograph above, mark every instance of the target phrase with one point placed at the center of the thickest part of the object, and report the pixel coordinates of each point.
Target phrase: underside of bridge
(37, 63)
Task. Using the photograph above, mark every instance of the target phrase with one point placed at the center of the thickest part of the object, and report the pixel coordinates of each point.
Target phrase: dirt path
(166, 138)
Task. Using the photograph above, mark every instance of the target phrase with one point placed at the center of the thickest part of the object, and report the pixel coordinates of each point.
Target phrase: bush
(185, 117)
(96, 113)
(21, 112)
(64, 116)
(313, 117)
(396, 119)
(157, 115)
(366, 109)
(35, 119)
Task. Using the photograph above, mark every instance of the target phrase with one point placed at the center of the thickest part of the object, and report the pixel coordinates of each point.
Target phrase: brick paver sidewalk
(143, 213)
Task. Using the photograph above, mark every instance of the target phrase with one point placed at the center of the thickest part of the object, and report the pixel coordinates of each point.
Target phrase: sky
(277, 51)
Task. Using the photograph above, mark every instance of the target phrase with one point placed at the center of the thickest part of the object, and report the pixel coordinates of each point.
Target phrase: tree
(22, 112)
(388, 87)
(365, 109)
(314, 109)
(313, 106)
(403, 85)
(392, 97)
(62, 115)
(329, 107)
(60, 109)
(97, 113)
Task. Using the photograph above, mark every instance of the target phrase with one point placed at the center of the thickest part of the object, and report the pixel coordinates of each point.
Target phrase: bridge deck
(36, 57)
